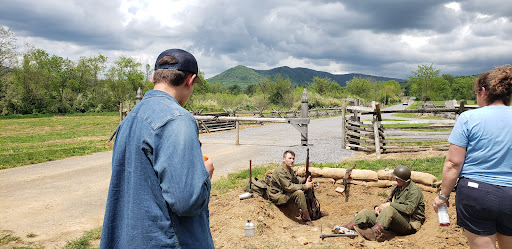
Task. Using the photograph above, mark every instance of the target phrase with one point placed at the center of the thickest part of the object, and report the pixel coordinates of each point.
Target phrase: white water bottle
(442, 215)
(249, 229)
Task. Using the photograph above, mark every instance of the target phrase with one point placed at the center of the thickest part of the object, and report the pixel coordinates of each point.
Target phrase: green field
(30, 140)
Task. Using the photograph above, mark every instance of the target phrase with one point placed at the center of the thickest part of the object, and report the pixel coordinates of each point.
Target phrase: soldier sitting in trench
(404, 213)
(285, 186)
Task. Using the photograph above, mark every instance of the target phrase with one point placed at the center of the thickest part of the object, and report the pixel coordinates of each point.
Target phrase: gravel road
(267, 143)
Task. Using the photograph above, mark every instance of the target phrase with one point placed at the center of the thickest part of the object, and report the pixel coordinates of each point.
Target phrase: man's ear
(190, 80)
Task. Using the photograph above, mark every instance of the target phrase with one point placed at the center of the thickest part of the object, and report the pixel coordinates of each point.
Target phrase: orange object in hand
(205, 158)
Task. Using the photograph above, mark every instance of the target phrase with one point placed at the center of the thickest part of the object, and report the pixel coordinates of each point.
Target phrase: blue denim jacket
(159, 189)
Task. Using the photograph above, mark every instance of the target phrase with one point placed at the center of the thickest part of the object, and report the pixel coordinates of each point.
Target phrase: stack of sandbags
(370, 178)
(424, 180)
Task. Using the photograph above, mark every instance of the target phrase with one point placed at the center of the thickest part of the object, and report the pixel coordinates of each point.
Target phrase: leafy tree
(250, 90)
(361, 87)
(217, 88)
(7, 48)
(423, 81)
(124, 79)
(7, 55)
(462, 88)
(92, 93)
(326, 86)
(449, 78)
(235, 89)
(391, 91)
(27, 92)
(440, 89)
(277, 91)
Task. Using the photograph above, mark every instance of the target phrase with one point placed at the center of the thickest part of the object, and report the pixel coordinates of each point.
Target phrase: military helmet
(402, 172)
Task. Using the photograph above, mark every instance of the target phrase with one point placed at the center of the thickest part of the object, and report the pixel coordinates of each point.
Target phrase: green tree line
(38, 82)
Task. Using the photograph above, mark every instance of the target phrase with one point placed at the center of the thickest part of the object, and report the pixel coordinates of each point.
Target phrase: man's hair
(288, 151)
(497, 84)
(170, 76)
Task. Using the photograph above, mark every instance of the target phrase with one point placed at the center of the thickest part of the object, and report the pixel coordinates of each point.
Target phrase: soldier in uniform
(403, 214)
(286, 186)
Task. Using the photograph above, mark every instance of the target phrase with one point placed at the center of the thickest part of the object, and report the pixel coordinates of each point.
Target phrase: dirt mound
(280, 227)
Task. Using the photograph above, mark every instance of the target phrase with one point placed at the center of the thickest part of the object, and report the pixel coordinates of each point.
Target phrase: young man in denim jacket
(160, 186)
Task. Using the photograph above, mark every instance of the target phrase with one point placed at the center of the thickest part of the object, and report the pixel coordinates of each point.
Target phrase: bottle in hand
(442, 215)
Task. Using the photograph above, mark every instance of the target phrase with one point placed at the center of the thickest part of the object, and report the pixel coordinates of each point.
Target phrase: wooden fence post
(376, 114)
(138, 97)
(356, 118)
(343, 124)
(237, 125)
(120, 111)
(304, 114)
(461, 109)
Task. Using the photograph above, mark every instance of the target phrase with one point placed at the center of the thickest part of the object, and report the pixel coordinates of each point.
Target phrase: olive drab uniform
(405, 215)
(285, 185)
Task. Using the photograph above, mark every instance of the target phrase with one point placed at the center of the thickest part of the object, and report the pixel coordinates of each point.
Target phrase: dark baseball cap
(186, 62)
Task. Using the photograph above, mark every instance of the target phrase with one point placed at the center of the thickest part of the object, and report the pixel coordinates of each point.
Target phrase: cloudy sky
(385, 38)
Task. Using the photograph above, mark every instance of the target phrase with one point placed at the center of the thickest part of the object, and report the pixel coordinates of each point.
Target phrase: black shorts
(483, 208)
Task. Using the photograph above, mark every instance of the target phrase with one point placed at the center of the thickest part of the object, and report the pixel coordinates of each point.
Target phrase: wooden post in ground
(237, 125)
(304, 114)
(343, 124)
(376, 114)
(357, 119)
(461, 109)
(120, 111)
(138, 97)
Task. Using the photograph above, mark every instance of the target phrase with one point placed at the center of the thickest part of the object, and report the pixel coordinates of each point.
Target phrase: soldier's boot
(350, 225)
(373, 233)
(305, 217)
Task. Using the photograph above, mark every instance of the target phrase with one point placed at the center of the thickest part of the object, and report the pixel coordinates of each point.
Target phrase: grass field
(30, 140)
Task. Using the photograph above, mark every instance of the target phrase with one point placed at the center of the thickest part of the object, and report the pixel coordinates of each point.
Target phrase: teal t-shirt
(486, 133)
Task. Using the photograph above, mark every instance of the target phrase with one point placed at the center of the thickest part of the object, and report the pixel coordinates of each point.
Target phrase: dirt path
(56, 201)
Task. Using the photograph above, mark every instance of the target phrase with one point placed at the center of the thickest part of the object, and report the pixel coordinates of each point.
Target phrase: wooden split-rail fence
(372, 134)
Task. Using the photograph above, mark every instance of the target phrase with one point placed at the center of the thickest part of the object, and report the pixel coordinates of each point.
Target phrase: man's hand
(379, 208)
(208, 164)
(309, 183)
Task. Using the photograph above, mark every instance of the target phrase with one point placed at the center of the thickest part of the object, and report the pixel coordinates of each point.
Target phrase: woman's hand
(438, 201)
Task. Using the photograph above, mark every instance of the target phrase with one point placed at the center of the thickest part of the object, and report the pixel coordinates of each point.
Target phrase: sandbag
(301, 171)
(437, 184)
(427, 188)
(423, 178)
(377, 184)
(380, 184)
(335, 173)
(324, 180)
(385, 174)
(364, 174)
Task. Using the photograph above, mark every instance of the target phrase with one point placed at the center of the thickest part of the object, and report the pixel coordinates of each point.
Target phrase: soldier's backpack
(257, 186)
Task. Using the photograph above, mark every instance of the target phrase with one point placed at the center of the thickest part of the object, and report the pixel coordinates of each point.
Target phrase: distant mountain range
(244, 76)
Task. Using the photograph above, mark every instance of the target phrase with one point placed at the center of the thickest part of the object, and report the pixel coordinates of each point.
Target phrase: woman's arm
(451, 170)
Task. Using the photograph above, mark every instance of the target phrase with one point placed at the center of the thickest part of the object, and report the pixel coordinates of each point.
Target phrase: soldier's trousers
(389, 218)
(298, 198)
